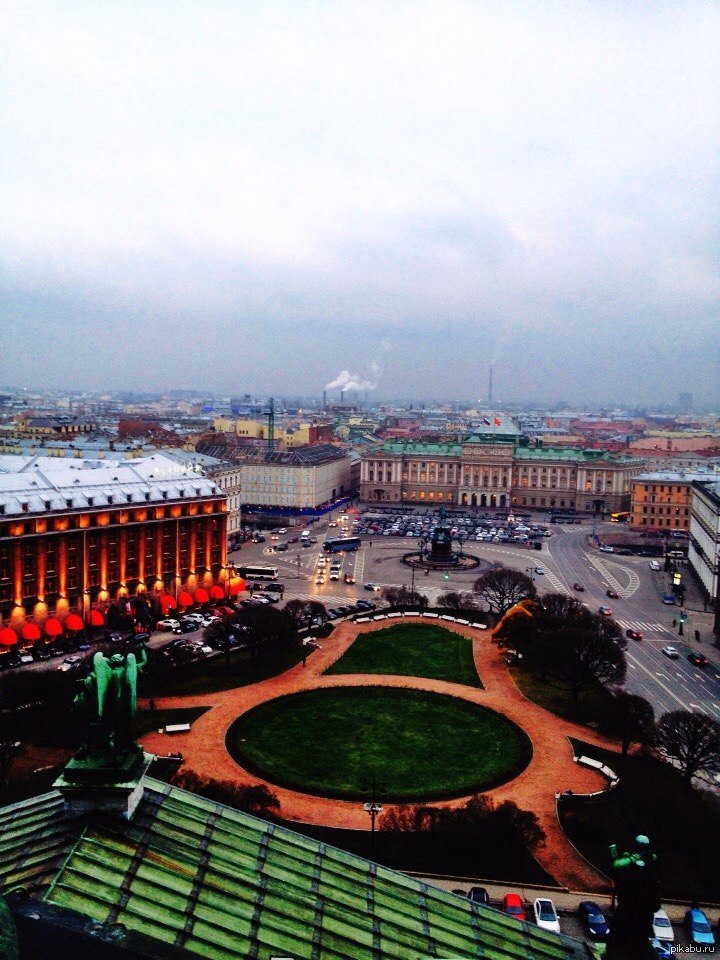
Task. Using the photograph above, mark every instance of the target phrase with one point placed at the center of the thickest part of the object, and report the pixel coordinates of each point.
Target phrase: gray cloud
(242, 196)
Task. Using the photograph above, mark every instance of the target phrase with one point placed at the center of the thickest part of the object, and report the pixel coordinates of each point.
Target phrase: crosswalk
(650, 626)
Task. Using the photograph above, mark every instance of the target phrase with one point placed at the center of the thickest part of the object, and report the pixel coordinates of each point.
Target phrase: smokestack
(342, 396)
(324, 399)
(490, 395)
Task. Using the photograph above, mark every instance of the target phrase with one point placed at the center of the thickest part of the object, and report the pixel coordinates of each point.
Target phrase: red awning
(237, 585)
(74, 622)
(31, 632)
(185, 599)
(201, 595)
(167, 602)
(96, 619)
(53, 627)
(8, 637)
(216, 592)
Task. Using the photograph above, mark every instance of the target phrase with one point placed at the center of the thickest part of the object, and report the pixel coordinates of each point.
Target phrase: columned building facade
(497, 471)
(74, 537)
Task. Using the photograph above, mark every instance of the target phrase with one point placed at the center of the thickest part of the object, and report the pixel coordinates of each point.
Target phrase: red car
(634, 634)
(512, 905)
(612, 594)
(579, 587)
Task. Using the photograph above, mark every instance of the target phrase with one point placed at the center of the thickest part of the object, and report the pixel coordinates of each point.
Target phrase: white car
(282, 530)
(672, 652)
(654, 565)
(167, 624)
(661, 926)
(606, 548)
(539, 571)
(546, 915)
(319, 580)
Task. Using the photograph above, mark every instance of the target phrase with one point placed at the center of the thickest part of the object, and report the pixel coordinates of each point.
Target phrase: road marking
(697, 707)
(659, 682)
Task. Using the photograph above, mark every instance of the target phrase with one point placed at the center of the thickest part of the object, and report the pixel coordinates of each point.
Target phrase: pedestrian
(674, 622)
(151, 703)
(697, 636)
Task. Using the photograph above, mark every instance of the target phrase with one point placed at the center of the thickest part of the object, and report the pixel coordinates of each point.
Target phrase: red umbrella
(237, 585)
(185, 599)
(201, 595)
(96, 619)
(31, 632)
(216, 592)
(8, 637)
(53, 627)
(74, 622)
(167, 602)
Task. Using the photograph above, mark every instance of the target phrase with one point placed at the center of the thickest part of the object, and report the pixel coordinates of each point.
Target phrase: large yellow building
(661, 501)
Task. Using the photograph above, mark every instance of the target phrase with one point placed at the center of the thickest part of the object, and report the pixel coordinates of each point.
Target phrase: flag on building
(486, 421)
(497, 421)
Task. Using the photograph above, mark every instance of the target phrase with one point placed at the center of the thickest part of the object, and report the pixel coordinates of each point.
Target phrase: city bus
(258, 573)
(622, 517)
(565, 518)
(336, 544)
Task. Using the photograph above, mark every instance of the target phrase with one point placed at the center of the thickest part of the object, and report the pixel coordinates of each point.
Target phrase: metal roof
(224, 885)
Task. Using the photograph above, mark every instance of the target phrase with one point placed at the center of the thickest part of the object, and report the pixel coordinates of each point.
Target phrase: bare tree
(457, 601)
(503, 588)
(402, 597)
(691, 740)
(587, 649)
(634, 720)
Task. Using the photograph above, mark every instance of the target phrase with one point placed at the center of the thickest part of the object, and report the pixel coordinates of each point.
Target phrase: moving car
(698, 928)
(70, 663)
(319, 580)
(672, 652)
(593, 921)
(654, 565)
(373, 586)
(539, 571)
(546, 915)
(633, 634)
(661, 926)
(698, 659)
(579, 587)
(512, 904)
(669, 599)
(605, 611)
(349, 578)
(613, 594)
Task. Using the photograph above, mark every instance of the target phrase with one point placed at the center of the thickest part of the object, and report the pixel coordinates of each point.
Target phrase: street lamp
(374, 807)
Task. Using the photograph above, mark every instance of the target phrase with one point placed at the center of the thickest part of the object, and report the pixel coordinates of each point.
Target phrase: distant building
(497, 467)
(661, 501)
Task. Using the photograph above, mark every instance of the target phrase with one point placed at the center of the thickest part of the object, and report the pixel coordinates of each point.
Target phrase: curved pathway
(551, 770)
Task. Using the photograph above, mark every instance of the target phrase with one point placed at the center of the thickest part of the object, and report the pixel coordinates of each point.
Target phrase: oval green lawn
(420, 746)
(412, 650)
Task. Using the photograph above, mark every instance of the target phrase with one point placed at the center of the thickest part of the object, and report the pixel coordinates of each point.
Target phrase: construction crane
(271, 427)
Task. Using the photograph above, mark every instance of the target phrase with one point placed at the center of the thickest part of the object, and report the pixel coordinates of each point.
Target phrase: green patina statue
(108, 703)
(634, 873)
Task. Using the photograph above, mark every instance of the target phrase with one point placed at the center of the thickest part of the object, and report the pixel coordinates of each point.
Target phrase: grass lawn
(683, 824)
(594, 705)
(210, 676)
(412, 650)
(418, 745)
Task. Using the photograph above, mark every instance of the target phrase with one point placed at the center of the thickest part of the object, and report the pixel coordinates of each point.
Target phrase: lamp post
(374, 807)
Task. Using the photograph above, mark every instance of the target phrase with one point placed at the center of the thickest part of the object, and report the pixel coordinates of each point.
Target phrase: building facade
(497, 470)
(306, 479)
(661, 500)
(75, 536)
(704, 544)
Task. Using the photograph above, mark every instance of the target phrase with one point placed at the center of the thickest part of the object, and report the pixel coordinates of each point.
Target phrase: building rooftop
(575, 454)
(310, 456)
(676, 476)
(213, 882)
(31, 485)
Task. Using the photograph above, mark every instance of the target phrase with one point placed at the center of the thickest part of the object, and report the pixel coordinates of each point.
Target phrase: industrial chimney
(324, 399)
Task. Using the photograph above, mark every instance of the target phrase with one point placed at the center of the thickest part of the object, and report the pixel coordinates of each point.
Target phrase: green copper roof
(224, 885)
(574, 454)
(417, 447)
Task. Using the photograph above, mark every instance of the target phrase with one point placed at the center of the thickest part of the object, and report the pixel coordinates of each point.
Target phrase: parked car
(479, 895)
(672, 652)
(593, 921)
(633, 634)
(663, 951)
(606, 548)
(546, 915)
(661, 926)
(186, 626)
(70, 663)
(167, 623)
(654, 565)
(698, 928)
(512, 904)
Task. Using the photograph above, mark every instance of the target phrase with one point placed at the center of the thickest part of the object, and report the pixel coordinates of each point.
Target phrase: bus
(623, 516)
(336, 544)
(258, 573)
(562, 511)
(565, 518)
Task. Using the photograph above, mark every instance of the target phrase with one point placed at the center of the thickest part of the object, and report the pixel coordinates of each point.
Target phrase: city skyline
(409, 194)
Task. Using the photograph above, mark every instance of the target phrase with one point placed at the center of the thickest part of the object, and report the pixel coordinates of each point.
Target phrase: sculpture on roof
(634, 874)
(108, 702)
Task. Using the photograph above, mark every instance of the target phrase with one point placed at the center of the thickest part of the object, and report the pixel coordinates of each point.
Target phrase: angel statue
(108, 702)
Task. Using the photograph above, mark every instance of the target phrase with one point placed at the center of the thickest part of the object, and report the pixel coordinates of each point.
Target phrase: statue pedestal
(112, 783)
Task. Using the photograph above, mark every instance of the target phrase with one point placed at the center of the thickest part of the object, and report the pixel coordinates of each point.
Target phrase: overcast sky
(257, 196)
